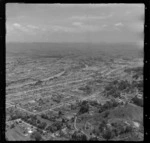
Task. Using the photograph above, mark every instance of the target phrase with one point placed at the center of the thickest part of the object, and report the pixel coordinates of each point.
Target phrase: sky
(93, 23)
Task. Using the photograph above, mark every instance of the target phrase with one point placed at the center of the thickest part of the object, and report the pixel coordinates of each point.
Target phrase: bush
(96, 132)
(84, 108)
(120, 128)
(106, 114)
(93, 139)
(36, 136)
(42, 125)
(128, 129)
(138, 101)
(107, 134)
(102, 125)
(101, 110)
(86, 89)
(12, 126)
(78, 136)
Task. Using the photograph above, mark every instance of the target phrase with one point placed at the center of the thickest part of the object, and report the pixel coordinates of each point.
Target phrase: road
(25, 92)
(113, 71)
(24, 123)
(88, 137)
(51, 109)
(33, 82)
(75, 120)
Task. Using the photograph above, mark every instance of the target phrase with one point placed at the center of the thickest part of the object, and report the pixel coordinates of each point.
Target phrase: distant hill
(74, 49)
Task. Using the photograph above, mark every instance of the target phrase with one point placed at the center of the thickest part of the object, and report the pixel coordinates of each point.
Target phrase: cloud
(86, 27)
(33, 29)
(86, 17)
(127, 13)
(17, 25)
(136, 26)
(91, 28)
(78, 27)
(20, 27)
(77, 23)
(32, 26)
(82, 5)
(88, 5)
(58, 28)
(9, 29)
(119, 24)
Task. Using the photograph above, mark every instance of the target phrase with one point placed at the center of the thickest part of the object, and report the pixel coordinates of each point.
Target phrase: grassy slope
(130, 111)
(15, 135)
(127, 112)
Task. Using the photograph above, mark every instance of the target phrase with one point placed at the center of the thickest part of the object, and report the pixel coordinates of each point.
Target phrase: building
(64, 130)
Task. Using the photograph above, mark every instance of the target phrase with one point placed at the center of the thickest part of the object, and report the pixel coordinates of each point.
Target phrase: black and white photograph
(74, 72)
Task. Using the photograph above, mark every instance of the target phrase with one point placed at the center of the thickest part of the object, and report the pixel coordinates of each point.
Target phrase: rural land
(74, 91)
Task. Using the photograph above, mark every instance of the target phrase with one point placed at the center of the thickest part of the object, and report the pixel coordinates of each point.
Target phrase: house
(69, 117)
(59, 119)
(91, 112)
(126, 123)
(56, 134)
(29, 130)
(53, 135)
(19, 120)
(119, 100)
(136, 124)
(64, 130)
(139, 96)
(32, 101)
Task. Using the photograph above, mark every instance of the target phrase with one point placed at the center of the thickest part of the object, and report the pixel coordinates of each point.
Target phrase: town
(71, 99)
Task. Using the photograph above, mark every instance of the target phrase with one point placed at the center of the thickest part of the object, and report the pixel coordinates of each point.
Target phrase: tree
(119, 128)
(36, 136)
(102, 125)
(84, 103)
(68, 126)
(96, 131)
(101, 108)
(93, 138)
(138, 101)
(84, 109)
(128, 129)
(42, 125)
(38, 122)
(48, 128)
(12, 126)
(60, 113)
(78, 136)
(86, 89)
(106, 114)
(115, 82)
(114, 103)
(107, 134)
